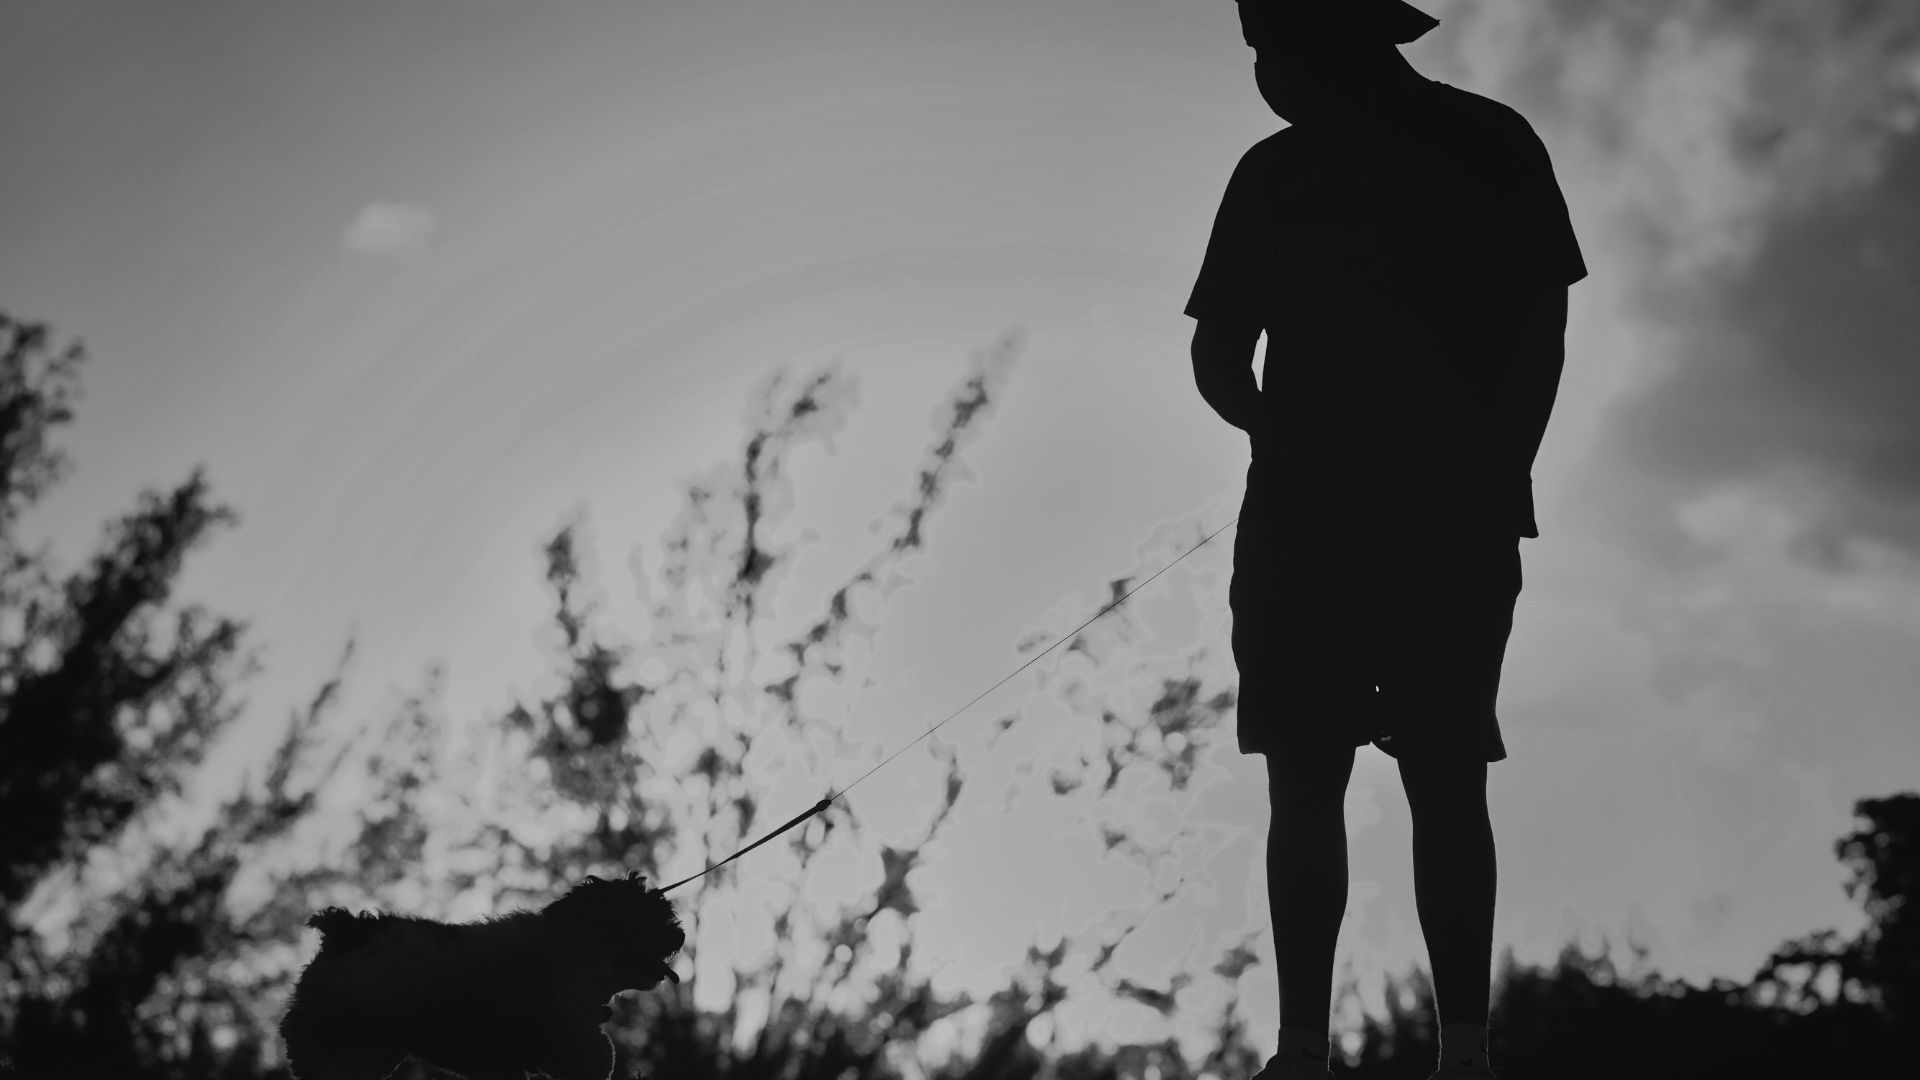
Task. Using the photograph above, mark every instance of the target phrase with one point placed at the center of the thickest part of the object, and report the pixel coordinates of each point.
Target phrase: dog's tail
(341, 928)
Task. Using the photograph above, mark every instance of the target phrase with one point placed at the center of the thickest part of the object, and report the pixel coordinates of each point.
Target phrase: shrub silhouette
(1583, 1019)
(161, 975)
(103, 711)
(164, 976)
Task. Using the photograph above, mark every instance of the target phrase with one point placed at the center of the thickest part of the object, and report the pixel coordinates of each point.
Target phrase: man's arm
(1223, 370)
(1540, 355)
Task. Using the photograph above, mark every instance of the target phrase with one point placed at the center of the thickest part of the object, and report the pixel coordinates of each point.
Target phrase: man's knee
(1444, 783)
(1309, 777)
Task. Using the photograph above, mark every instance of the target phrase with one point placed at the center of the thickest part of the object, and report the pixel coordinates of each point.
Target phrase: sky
(420, 283)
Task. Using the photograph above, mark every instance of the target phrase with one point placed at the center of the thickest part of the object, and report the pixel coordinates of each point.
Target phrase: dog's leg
(587, 1054)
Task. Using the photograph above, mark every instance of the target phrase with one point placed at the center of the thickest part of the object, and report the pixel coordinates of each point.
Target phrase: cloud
(1749, 173)
(390, 229)
(1696, 123)
(1745, 180)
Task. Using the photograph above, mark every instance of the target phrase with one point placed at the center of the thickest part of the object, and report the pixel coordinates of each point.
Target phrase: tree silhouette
(103, 712)
(1881, 967)
(1584, 1019)
(126, 954)
(159, 972)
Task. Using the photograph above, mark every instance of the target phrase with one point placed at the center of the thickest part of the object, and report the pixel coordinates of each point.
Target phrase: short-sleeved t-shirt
(1388, 269)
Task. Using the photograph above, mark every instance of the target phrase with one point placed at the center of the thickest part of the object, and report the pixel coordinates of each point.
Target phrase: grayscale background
(419, 283)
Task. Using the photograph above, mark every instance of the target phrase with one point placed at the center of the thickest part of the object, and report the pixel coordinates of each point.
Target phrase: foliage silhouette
(160, 971)
(827, 999)
(1584, 1019)
(101, 716)
(162, 975)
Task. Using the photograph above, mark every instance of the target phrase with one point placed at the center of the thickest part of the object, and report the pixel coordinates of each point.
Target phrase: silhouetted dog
(492, 1000)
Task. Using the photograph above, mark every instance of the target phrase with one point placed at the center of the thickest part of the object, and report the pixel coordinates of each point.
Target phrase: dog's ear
(591, 880)
(634, 875)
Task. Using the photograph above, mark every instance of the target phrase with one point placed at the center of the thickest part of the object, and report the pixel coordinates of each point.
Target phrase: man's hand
(1223, 370)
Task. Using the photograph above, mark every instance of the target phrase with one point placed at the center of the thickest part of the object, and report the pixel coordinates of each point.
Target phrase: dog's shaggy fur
(493, 1000)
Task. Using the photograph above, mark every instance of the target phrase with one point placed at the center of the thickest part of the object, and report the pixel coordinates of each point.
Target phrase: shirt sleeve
(1233, 272)
(1542, 229)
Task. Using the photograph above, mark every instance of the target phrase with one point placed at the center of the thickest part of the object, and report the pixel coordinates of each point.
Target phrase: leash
(831, 796)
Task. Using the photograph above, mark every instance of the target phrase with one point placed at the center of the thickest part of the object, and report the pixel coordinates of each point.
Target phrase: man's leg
(1454, 880)
(1307, 878)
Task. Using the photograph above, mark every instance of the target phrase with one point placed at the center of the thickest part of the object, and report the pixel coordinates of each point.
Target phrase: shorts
(1349, 636)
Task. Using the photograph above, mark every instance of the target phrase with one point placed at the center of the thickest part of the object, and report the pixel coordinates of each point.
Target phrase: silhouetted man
(1407, 251)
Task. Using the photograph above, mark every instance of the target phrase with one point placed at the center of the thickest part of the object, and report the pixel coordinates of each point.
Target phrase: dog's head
(636, 922)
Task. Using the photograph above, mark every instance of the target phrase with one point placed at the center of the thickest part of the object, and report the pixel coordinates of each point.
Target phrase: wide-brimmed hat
(1393, 21)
